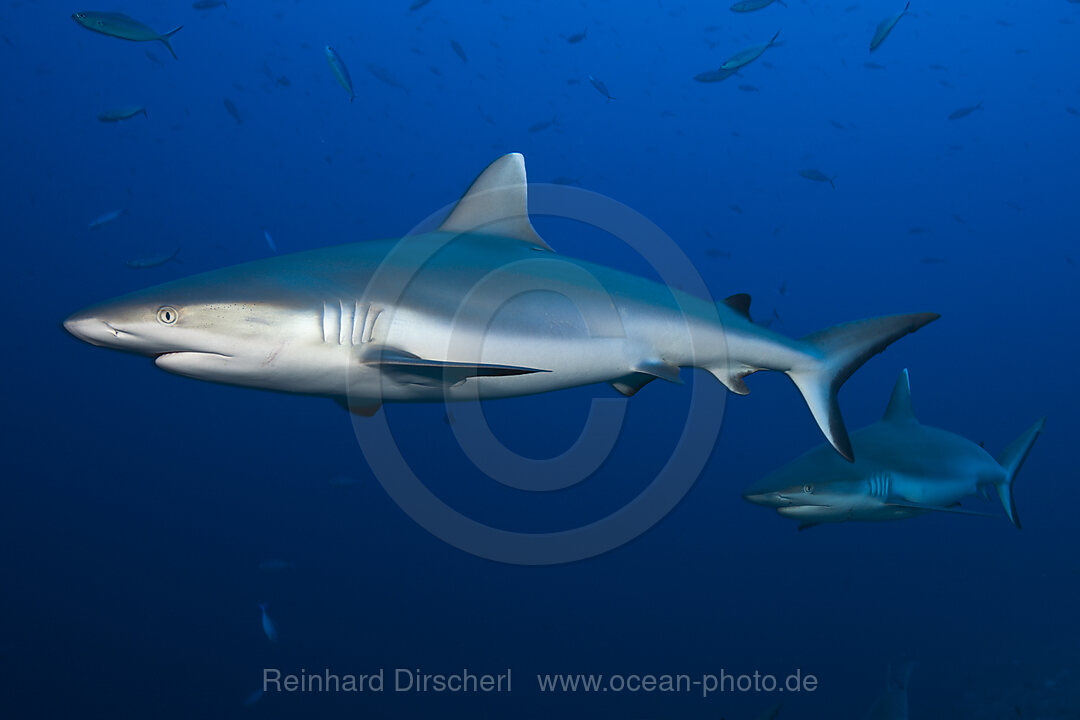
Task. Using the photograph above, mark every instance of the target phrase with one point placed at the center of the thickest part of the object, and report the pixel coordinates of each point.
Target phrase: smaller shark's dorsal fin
(496, 204)
(899, 409)
(740, 303)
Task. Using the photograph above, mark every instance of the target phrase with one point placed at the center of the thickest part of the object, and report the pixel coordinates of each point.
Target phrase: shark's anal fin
(404, 367)
(629, 385)
(496, 204)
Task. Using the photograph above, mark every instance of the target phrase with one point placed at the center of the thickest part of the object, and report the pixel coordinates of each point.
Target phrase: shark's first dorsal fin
(740, 303)
(899, 409)
(496, 204)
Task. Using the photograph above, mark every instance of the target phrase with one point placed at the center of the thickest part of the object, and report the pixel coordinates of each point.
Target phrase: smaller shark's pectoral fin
(902, 503)
(363, 408)
(404, 367)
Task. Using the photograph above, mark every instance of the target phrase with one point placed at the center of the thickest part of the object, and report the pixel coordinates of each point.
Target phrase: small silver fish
(543, 125)
(964, 111)
(711, 76)
(600, 87)
(270, 241)
(458, 50)
(105, 219)
(384, 75)
(122, 113)
(340, 71)
(752, 5)
(268, 625)
(817, 176)
(119, 25)
(153, 262)
(885, 27)
(747, 56)
(231, 108)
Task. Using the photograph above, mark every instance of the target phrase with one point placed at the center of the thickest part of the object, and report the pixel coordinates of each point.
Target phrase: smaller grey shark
(892, 703)
(902, 469)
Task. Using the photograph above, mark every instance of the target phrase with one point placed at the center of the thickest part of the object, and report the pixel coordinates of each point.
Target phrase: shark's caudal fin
(1011, 460)
(165, 40)
(838, 352)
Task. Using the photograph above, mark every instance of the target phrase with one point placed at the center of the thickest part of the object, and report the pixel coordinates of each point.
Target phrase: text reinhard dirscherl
(414, 680)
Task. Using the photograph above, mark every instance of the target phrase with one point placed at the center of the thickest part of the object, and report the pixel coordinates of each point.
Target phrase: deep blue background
(137, 505)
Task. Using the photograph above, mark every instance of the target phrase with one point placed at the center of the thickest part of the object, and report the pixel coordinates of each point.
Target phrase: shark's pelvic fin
(406, 367)
(660, 369)
(496, 204)
(899, 409)
(1012, 459)
(838, 352)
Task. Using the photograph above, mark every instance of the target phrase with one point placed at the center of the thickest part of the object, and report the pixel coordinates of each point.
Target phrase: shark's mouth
(201, 365)
(190, 353)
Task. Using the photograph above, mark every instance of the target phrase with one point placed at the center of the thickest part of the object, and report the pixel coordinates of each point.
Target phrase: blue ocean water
(138, 505)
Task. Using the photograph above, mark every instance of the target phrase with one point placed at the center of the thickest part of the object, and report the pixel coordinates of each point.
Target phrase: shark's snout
(89, 328)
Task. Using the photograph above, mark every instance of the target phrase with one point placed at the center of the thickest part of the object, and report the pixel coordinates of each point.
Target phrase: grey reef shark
(903, 469)
(480, 308)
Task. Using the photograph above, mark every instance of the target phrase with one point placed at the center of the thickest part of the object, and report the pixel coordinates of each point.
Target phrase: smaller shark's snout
(767, 499)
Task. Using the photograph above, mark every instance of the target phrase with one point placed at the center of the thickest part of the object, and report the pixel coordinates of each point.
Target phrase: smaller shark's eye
(808, 488)
(167, 315)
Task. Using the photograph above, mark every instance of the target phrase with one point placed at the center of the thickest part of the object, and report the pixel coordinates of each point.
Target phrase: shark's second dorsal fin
(496, 204)
(899, 409)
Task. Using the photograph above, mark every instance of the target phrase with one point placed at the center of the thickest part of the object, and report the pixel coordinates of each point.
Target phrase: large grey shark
(480, 308)
(903, 469)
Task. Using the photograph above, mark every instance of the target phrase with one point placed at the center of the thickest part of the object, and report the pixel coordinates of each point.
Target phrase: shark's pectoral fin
(496, 204)
(902, 503)
(404, 367)
(363, 408)
(807, 525)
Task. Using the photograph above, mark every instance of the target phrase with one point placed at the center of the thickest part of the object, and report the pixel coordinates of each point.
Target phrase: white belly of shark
(480, 308)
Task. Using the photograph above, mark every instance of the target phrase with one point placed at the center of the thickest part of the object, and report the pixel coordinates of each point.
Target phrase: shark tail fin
(1012, 460)
(165, 40)
(837, 352)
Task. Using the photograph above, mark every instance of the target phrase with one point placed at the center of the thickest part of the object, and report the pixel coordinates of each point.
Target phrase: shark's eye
(808, 488)
(167, 315)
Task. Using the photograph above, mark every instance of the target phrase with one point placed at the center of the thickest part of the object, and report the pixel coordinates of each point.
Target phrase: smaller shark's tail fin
(837, 353)
(1012, 460)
